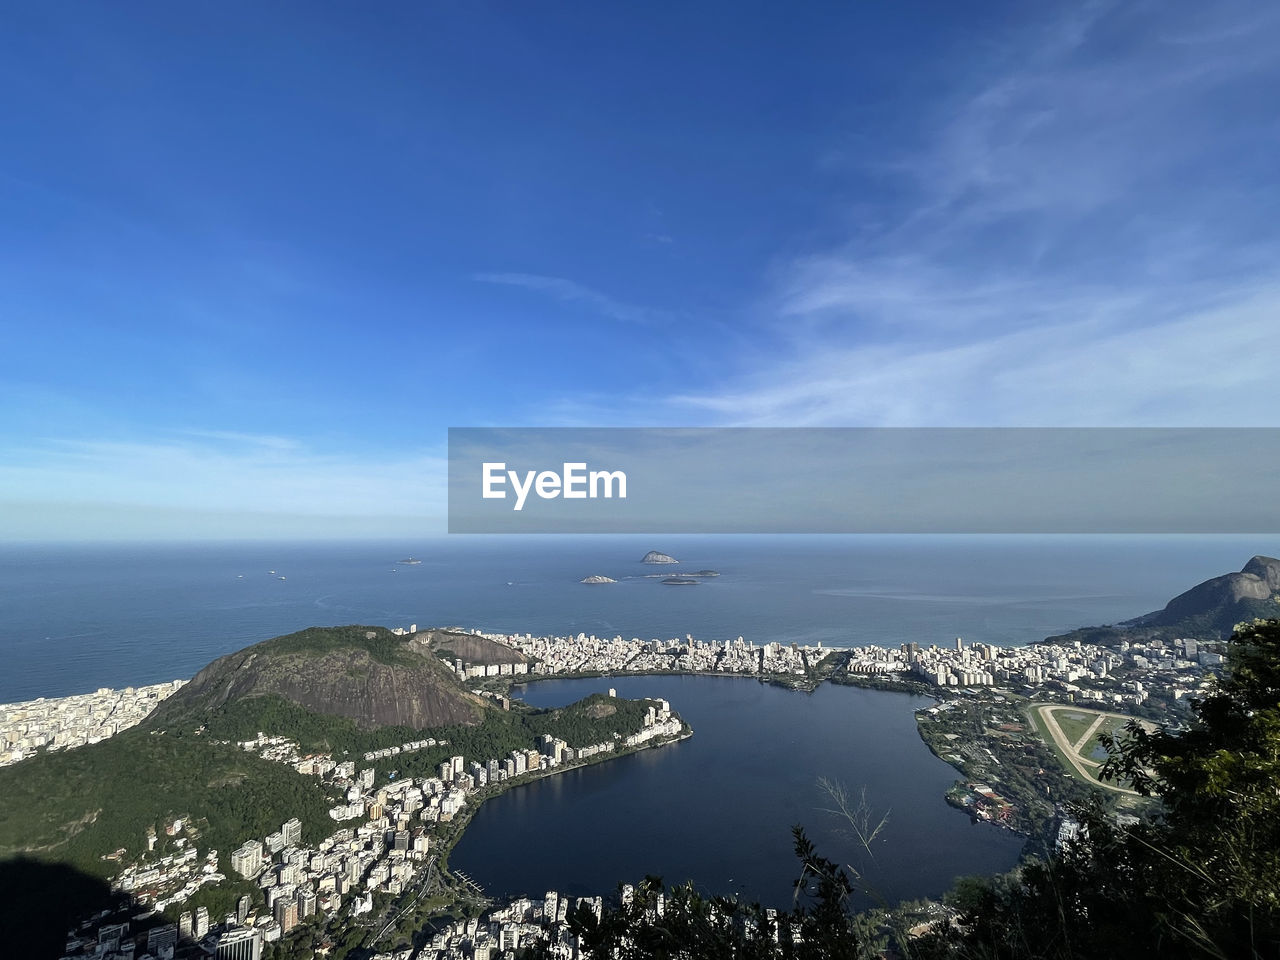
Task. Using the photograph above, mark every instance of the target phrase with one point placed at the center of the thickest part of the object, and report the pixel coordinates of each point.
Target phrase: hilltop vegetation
(379, 643)
(366, 674)
(81, 805)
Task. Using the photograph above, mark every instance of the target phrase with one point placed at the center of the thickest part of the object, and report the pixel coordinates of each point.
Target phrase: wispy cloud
(1078, 240)
(567, 291)
(249, 441)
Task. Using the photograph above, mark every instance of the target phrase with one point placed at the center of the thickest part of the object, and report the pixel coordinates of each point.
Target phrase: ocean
(75, 617)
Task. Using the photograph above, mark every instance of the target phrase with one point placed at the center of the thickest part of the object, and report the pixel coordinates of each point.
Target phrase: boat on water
(280, 578)
(409, 560)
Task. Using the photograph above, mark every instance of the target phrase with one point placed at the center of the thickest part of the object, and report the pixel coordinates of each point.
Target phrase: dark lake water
(718, 808)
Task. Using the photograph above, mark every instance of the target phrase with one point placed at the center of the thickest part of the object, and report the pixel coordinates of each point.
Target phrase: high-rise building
(162, 939)
(242, 909)
(241, 943)
(247, 859)
(201, 928)
(186, 926)
(292, 831)
(286, 913)
(306, 903)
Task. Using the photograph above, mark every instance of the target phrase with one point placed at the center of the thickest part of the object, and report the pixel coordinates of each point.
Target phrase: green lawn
(1074, 722)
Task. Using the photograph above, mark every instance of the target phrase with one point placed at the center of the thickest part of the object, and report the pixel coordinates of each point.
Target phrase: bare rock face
(378, 680)
(1227, 590)
(1265, 568)
(599, 710)
(1209, 610)
(468, 647)
(1217, 604)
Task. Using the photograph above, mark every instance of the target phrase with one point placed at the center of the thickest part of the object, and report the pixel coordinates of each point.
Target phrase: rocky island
(597, 579)
(655, 556)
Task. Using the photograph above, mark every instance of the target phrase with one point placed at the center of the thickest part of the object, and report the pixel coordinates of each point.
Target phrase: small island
(655, 556)
(680, 581)
(597, 579)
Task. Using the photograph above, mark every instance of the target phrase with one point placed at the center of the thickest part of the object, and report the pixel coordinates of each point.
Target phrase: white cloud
(1078, 241)
(1204, 369)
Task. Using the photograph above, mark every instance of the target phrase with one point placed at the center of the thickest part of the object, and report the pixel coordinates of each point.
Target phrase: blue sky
(258, 257)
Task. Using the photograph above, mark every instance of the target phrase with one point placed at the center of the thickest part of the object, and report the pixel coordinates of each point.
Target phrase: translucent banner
(863, 480)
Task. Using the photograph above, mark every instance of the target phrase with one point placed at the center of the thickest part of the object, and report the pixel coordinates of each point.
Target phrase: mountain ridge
(1209, 610)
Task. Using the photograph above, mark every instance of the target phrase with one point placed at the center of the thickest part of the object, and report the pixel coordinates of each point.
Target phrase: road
(402, 907)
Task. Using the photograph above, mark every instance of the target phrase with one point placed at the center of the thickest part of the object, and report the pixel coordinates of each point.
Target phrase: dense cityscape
(59, 723)
(385, 840)
(586, 654)
(1126, 675)
(389, 851)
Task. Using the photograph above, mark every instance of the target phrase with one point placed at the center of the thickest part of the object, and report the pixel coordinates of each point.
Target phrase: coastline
(491, 792)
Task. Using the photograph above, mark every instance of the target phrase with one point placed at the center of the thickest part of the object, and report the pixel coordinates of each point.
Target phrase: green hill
(344, 691)
(366, 674)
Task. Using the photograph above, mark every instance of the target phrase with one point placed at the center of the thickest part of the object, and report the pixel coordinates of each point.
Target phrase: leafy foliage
(1201, 879)
(682, 923)
(81, 805)
(380, 643)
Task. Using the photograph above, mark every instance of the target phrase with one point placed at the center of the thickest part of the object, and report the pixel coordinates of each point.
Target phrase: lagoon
(717, 809)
